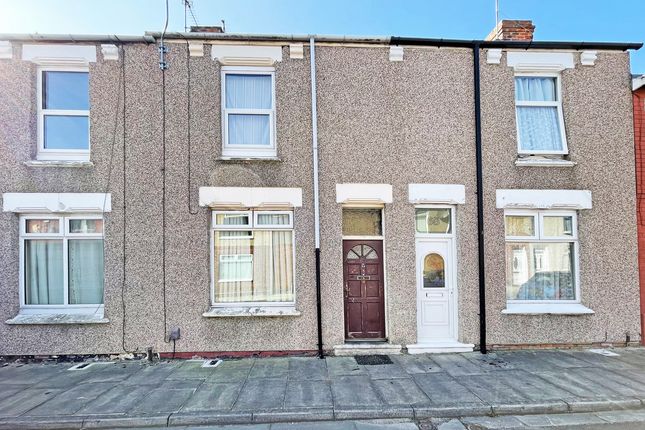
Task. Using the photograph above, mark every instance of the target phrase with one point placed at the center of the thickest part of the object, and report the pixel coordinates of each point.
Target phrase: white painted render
(363, 194)
(246, 55)
(539, 61)
(56, 202)
(543, 199)
(249, 197)
(452, 194)
(56, 54)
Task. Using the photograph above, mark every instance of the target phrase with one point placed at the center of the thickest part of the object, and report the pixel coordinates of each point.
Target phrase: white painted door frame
(445, 245)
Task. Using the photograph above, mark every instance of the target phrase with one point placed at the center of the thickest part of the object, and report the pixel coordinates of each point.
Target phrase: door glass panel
(362, 251)
(433, 271)
(433, 220)
(362, 222)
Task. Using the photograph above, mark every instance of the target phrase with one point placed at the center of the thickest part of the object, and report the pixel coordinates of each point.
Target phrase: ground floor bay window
(252, 258)
(61, 263)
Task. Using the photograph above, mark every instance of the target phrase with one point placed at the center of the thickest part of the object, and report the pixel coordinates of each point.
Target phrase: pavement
(440, 391)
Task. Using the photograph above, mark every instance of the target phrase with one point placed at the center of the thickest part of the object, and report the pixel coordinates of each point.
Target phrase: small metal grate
(372, 360)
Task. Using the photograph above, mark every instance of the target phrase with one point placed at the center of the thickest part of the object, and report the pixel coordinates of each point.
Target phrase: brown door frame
(377, 332)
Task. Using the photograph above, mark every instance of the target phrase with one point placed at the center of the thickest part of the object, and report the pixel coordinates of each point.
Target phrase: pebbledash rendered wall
(379, 122)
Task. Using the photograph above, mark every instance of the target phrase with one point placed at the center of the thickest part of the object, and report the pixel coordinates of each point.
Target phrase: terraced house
(207, 192)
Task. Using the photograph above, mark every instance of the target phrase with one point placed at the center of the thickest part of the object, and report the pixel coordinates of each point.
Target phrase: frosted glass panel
(433, 220)
(42, 226)
(520, 225)
(362, 222)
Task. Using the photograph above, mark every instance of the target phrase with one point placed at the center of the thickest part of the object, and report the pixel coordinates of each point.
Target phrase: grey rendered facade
(379, 122)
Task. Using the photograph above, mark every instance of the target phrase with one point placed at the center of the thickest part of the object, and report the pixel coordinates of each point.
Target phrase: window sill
(539, 161)
(237, 158)
(546, 308)
(49, 319)
(59, 163)
(251, 311)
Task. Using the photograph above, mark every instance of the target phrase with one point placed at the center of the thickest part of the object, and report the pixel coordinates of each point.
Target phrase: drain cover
(372, 360)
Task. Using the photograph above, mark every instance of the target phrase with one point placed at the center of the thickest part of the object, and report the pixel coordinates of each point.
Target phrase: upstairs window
(63, 114)
(538, 111)
(248, 112)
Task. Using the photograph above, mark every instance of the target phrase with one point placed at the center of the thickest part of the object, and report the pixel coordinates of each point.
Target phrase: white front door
(436, 307)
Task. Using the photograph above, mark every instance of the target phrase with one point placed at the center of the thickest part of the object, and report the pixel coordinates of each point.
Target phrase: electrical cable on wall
(163, 66)
(188, 131)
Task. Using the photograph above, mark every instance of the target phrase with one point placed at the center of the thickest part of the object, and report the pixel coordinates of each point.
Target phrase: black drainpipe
(480, 201)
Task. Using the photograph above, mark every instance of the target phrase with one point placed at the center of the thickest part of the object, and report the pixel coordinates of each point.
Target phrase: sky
(570, 20)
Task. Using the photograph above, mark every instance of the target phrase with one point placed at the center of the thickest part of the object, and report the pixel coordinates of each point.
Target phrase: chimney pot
(512, 29)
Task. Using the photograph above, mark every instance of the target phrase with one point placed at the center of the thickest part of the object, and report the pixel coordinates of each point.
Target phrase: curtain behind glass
(249, 129)
(232, 243)
(539, 126)
(44, 272)
(85, 259)
(282, 266)
(248, 91)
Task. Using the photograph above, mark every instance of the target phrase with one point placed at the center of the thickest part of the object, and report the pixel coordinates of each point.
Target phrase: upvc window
(253, 257)
(541, 256)
(539, 117)
(248, 112)
(63, 113)
(61, 263)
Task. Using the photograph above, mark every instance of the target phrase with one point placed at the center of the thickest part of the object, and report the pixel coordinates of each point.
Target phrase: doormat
(372, 360)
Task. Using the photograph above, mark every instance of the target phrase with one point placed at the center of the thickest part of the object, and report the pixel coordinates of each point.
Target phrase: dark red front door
(364, 292)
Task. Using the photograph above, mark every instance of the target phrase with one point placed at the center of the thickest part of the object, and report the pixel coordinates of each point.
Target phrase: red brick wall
(639, 141)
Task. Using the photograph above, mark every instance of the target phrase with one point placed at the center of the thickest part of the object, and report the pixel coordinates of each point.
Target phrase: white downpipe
(314, 137)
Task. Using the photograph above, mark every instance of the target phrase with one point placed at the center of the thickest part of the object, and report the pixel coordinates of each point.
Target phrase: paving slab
(70, 401)
(401, 392)
(457, 365)
(491, 389)
(599, 360)
(261, 393)
(532, 387)
(443, 389)
(152, 374)
(111, 372)
(508, 422)
(270, 368)
(192, 369)
(27, 374)
(578, 385)
(26, 400)
(213, 396)
(611, 380)
(308, 394)
(10, 390)
(386, 371)
(343, 366)
(307, 369)
(160, 400)
(118, 400)
(231, 370)
(417, 363)
(351, 391)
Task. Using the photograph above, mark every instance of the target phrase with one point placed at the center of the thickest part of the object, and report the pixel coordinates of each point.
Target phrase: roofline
(87, 38)
(152, 36)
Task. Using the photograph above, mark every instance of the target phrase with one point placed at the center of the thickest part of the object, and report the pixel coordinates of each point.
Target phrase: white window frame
(257, 224)
(436, 235)
(65, 236)
(540, 238)
(214, 282)
(59, 154)
(248, 151)
(557, 104)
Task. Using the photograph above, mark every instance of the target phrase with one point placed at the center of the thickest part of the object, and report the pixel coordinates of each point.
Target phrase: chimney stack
(512, 29)
(207, 28)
